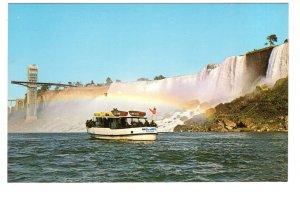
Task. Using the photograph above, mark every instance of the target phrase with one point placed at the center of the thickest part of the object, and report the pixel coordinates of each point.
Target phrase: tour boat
(118, 125)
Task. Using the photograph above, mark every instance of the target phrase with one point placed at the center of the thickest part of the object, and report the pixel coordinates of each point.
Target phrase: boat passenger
(146, 123)
(87, 123)
(119, 124)
(133, 123)
(113, 124)
(153, 124)
(105, 123)
(139, 123)
(124, 123)
(101, 122)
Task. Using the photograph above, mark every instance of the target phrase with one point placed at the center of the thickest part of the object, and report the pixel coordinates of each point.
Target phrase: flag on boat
(153, 111)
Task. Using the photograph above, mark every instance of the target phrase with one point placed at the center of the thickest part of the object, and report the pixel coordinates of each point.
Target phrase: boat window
(137, 122)
(142, 120)
(124, 123)
(99, 122)
(113, 123)
(106, 123)
(133, 122)
(121, 123)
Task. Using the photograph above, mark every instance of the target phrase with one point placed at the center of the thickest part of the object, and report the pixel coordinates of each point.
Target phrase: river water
(174, 157)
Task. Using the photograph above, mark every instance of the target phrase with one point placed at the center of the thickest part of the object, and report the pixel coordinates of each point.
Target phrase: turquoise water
(174, 157)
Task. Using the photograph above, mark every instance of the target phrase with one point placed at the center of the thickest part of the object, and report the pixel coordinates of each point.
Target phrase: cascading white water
(218, 83)
(223, 82)
(278, 63)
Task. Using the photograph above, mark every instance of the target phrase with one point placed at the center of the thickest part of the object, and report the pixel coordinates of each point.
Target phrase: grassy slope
(265, 109)
(262, 104)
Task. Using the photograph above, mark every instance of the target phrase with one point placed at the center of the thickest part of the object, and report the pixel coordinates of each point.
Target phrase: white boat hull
(135, 134)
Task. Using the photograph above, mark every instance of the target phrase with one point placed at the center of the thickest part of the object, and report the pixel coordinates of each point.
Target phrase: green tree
(57, 87)
(159, 77)
(271, 39)
(92, 82)
(78, 83)
(108, 81)
(143, 79)
(45, 87)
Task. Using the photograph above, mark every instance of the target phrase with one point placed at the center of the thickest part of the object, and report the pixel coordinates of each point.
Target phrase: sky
(84, 42)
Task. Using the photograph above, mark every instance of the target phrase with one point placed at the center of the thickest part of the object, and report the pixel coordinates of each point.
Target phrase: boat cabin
(108, 120)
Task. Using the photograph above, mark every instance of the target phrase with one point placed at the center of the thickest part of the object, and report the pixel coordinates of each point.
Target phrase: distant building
(32, 73)
(20, 104)
(31, 113)
(11, 109)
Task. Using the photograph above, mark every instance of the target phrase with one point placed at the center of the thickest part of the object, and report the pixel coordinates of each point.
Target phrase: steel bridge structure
(37, 84)
(31, 104)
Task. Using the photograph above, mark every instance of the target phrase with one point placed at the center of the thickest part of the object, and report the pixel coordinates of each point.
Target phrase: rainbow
(146, 99)
(99, 95)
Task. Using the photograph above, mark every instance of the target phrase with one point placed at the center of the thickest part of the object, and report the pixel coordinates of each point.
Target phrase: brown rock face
(73, 93)
(247, 122)
(286, 122)
(210, 112)
(217, 126)
(181, 128)
(257, 61)
(229, 124)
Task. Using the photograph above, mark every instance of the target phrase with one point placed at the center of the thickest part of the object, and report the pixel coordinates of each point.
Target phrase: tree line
(107, 82)
(271, 39)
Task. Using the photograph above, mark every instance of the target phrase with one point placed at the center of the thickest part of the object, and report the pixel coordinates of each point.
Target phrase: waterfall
(222, 82)
(217, 83)
(278, 63)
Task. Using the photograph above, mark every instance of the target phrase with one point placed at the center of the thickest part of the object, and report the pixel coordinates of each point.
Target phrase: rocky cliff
(257, 63)
(266, 109)
(72, 93)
